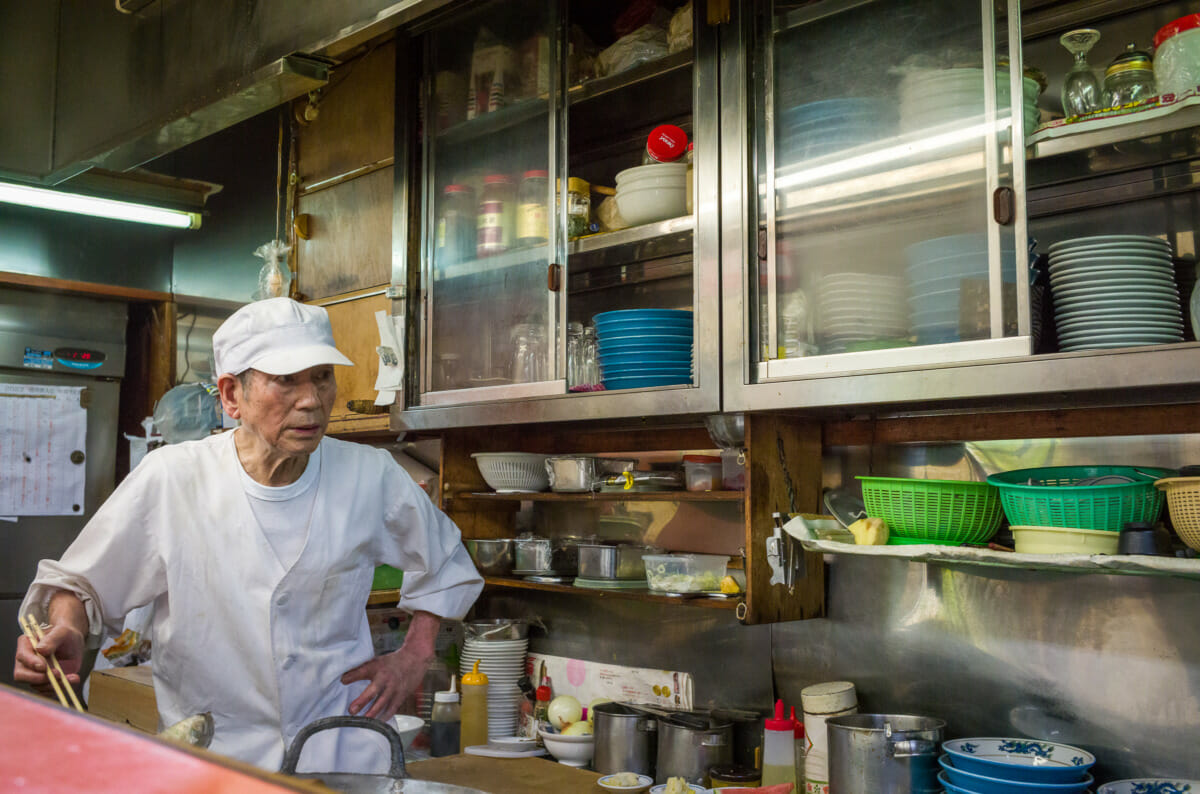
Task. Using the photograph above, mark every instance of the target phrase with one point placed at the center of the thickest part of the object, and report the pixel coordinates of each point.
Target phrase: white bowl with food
(570, 750)
(678, 785)
(629, 782)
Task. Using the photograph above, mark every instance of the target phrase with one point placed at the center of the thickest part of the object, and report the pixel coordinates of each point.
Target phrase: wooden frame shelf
(631, 595)
(606, 496)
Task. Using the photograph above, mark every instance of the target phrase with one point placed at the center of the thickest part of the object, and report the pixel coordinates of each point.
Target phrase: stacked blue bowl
(819, 128)
(642, 348)
(936, 270)
(1014, 766)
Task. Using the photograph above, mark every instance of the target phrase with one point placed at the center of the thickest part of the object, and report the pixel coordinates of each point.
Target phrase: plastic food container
(685, 573)
(1177, 56)
(702, 472)
(1064, 540)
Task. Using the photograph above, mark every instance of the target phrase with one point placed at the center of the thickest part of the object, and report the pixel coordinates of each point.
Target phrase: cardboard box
(125, 695)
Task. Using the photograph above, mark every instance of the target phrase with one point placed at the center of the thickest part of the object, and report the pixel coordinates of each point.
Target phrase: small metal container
(582, 473)
(493, 557)
(605, 561)
(543, 555)
(496, 629)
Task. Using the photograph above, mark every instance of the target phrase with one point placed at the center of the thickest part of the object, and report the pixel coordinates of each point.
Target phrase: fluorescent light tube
(44, 198)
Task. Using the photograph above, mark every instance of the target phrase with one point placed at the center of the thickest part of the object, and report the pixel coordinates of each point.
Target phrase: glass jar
(591, 360)
(1129, 78)
(454, 241)
(495, 223)
(1177, 56)
(579, 207)
(576, 366)
(666, 144)
(532, 226)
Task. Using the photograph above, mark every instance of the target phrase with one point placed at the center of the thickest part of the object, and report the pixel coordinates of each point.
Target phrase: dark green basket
(951, 512)
(1049, 497)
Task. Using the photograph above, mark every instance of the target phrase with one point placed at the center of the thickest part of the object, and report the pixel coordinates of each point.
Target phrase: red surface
(46, 749)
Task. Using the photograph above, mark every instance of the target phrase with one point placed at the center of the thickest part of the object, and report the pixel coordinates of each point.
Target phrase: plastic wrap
(679, 32)
(275, 278)
(647, 43)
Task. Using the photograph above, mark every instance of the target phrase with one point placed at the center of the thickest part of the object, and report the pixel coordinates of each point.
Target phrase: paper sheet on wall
(590, 680)
(391, 359)
(40, 428)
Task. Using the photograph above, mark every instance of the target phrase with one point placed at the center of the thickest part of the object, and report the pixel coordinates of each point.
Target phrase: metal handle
(713, 740)
(292, 756)
(647, 726)
(912, 748)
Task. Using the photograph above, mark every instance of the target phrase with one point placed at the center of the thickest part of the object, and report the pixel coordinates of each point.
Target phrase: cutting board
(506, 775)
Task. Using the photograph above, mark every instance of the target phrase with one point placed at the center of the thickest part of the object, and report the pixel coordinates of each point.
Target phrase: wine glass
(1081, 89)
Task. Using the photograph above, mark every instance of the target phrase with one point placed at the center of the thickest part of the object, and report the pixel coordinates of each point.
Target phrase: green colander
(951, 512)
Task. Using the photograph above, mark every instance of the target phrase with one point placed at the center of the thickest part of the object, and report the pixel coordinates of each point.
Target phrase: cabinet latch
(1004, 205)
(554, 277)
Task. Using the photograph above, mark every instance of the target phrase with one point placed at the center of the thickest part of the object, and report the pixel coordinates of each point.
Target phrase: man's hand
(395, 676)
(32, 665)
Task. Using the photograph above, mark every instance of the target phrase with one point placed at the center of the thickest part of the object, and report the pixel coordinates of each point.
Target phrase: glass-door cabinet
(881, 214)
(544, 208)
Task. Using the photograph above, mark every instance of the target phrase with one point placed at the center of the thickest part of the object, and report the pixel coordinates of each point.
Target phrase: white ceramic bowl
(694, 788)
(1164, 784)
(1063, 540)
(408, 727)
(640, 205)
(570, 750)
(643, 783)
(656, 173)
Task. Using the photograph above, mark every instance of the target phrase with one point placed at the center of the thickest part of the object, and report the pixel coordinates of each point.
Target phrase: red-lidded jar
(702, 472)
(1177, 57)
(666, 144)
(495, 226)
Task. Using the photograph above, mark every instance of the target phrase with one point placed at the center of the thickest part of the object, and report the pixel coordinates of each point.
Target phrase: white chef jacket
(261, 647)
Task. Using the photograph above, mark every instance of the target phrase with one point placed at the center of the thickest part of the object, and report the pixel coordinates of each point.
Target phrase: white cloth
(283, 511)
(260, 646)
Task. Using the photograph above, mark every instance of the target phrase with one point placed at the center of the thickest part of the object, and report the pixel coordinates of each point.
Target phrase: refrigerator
(58, 340)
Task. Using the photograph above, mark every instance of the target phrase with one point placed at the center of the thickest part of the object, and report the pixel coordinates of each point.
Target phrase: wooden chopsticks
(33, 630)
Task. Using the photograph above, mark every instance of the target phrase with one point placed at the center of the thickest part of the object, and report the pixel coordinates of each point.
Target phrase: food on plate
(677, 785)
(869, 532)
(581, 728)
(564, 710)
(623, 779)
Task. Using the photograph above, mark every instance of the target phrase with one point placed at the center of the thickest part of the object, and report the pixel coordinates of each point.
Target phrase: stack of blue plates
(641, 348)
(936, 270)
(1115, 290)
(831, 125)
(1014, 766)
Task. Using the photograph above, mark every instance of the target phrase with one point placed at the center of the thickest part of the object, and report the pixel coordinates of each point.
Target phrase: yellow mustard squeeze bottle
(474, 709)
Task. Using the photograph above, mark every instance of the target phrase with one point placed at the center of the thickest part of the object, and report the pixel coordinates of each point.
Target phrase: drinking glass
(1081, 90)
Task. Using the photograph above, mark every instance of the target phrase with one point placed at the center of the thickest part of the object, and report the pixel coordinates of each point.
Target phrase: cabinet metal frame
(702, 397)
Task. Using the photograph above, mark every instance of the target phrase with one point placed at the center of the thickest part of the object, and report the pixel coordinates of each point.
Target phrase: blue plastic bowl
(644, 372)
(1022, 760)
(673, 335)
(646, 359)
(644, 314)
(984, 784)
(649, 327)
(647, 382)
(679, 348)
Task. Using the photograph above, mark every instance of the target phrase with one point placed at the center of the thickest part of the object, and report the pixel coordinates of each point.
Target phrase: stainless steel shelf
(491, 123)
(599, 87)
(520, 257)
(1143, 124)
(632, 235)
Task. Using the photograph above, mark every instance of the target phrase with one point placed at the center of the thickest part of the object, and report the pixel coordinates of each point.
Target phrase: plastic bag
(275, 277)
(188, 412)
(608, 216)
(647, 43)
(679, 33)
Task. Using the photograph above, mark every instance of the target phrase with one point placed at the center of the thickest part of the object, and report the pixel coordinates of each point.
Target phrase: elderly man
(257, 548)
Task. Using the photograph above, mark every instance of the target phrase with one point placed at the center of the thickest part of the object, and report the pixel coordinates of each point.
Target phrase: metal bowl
(497, 629)
(493, 557)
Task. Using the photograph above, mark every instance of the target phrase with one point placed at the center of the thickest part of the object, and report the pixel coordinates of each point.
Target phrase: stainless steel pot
(606, 561)
(689, 743)
(571, 473)
(544, 555)
(884, 754)
(493, 557)
(396, 781)
(626, 740)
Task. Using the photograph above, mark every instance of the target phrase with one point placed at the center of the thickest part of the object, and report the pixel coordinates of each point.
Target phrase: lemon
(730, 586)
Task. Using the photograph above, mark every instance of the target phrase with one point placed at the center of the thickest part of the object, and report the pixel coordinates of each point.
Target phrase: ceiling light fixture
(44, 198)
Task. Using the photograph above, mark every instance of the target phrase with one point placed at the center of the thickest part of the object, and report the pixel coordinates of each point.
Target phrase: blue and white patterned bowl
(988, 784)
(1150, 785)
(1026, 760)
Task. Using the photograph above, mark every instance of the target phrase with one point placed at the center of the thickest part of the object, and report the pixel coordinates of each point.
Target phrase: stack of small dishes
(643, 348)
(503, 662)
(860, 308)
(819, 128)
(1150, 785)
(1115, 290)
(936, 270)
(937, 97)
(1014, 766)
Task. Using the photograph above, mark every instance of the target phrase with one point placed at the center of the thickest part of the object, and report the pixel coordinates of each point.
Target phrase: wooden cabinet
(357, 335)
(779, 449)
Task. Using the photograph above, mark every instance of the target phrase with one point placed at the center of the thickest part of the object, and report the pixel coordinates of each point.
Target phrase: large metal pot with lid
(396, 781)
(884, 754)
(626, 739)
(689, 743)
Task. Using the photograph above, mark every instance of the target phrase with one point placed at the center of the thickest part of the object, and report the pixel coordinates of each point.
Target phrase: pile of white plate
(1115, 290)
(855, 309)
(503, 662)
(934, 97)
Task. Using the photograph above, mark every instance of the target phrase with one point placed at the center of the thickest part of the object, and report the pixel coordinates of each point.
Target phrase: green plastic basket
(1049, 497)
(387, 578)
(952, 512)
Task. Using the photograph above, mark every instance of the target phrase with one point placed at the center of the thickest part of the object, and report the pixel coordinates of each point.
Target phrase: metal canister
(884, 754)
(689, 744)
(625, 740)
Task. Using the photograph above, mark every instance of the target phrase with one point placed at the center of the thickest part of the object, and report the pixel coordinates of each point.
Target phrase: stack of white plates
(503, 662)
(1115, 290)
(860, 307)
(933, 97)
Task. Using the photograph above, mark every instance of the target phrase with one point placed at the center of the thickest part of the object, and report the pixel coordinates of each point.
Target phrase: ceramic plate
(1020, 759)
(1130, 336)
(1151, 785)
(1078, 264)
(1082, 299)
(1105, 239)
(1118, 325)
(1126, 249)
(1122, 277)
(1072, 348)
(1120, 314)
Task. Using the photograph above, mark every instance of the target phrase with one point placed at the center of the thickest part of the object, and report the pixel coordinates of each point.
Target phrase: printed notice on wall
(43, 435)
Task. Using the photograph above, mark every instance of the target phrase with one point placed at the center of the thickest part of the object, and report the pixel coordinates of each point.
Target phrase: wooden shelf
(629, 595)
(384, 598)
(609, 496)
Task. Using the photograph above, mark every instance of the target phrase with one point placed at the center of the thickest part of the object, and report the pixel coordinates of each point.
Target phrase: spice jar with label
(496, 220)
(532, 217)
(454, 241)
(579, 207)
(666, 144)
(1129, 78)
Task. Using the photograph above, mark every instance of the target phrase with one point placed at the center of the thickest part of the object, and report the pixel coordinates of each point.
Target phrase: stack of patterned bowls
(1014, 766)
(937, 97)
(1150, 785)
(643, 348)
(819, 128)
(1115, 290)
(936, 270)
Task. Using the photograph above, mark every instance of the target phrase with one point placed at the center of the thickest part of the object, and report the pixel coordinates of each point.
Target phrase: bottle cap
(828, 698)
(458, 189)
(543, 692)
(577, 185)
(445, 697)
(666, 143)
(780, 723)
(475, 678)
(496, 179)
(537, 173)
